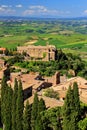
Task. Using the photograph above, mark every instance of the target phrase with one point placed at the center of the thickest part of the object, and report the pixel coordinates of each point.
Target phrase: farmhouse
(44, 53)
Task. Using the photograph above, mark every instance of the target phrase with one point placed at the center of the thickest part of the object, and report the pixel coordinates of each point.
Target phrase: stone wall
(44, 53)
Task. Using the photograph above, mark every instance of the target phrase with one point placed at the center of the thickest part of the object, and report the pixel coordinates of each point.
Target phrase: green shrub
(51, 93)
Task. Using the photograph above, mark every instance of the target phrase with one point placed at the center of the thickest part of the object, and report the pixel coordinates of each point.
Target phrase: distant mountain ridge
(16, 18)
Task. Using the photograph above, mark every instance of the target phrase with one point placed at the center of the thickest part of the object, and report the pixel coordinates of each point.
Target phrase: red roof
(2, 49)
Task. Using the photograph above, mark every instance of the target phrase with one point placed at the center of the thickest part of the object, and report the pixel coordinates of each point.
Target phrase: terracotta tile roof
(82, 85)
(2, 49)
(50, 102)
(28, 80)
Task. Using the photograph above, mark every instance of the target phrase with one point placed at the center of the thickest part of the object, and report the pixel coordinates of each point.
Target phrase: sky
(44, 8)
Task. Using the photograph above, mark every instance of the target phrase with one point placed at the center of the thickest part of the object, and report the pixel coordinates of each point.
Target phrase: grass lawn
(13, 41)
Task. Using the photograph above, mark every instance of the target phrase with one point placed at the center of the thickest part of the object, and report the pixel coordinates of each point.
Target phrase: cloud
(2, 9)
(5, 9)
(19, 6)
(36, 10)
(42, 10)
(4, 6)
(37, 7)
(85, 12)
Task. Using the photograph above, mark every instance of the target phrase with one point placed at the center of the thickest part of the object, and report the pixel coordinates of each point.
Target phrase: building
(32, 82)
(63, 87)
(44, 53)
(2, 50)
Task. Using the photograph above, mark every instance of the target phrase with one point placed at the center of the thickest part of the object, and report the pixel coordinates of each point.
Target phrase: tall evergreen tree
(76, 100)
(73, 123)
(8, 109)
(77, 109)
(0, 112)
(15, 96)
(27, 117)
(19, 108)
(59, 124)
(3, 97)
(68, 115)
(34, 112)
(41, 107)
(71, 109)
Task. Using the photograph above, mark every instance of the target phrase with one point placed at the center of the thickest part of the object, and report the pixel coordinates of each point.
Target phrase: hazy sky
(43, 8)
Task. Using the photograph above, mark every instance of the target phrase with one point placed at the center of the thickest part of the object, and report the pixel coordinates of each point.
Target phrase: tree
(0, 112)
(34, 112)
(27, 117)
(54, 118)
(41, 107)
(45, 120)
(76, 101)
(68, 111)
(51, 93)
(71, 107)
(3, 97)
(19, 108)
(7, 73)
(14, 99)
(51, 119)
(83, 124)
(8, 108)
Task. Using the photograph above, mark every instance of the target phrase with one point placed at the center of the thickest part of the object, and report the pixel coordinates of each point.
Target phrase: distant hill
(16, 18)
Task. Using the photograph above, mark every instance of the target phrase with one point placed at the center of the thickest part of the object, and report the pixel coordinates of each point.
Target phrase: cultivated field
(69, 35)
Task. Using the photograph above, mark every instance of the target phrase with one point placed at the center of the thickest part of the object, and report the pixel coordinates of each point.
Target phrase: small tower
(56, 78)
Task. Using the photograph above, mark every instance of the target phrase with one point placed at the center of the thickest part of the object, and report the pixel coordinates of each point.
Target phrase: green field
(69, 35)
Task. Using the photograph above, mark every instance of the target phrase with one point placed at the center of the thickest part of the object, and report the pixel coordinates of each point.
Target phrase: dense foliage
(51, 93)
(63, 63)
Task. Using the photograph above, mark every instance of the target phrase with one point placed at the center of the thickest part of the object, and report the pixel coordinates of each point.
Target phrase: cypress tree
(72, 124)
(59, 124)
(14, 104)
(8, 109)
(19, 108)
(68, 110)
(27, 117)
(34, 112)
(41, 107)
(71, 109)
(3, 97)
(0, 112)
(76, 100)
(77, 109)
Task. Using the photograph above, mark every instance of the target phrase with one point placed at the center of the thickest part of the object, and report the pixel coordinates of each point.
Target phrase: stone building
(44, 53)
(2, 50)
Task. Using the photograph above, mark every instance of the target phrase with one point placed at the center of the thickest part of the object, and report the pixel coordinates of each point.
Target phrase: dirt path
(31, 42)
